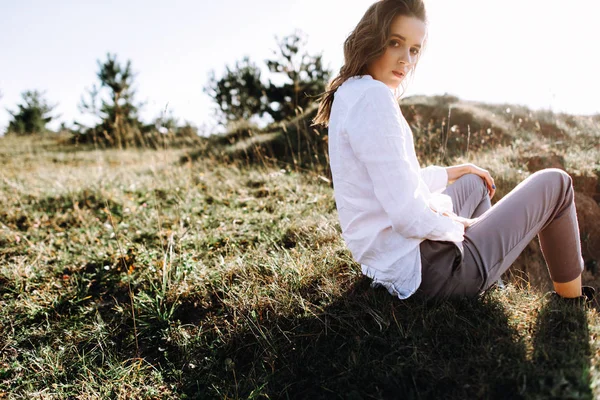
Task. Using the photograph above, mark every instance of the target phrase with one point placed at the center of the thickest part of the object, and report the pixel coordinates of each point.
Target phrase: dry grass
(190, 274)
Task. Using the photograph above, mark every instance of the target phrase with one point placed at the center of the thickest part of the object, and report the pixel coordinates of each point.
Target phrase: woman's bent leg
(542, 204)
(469, 196)
(439, 260)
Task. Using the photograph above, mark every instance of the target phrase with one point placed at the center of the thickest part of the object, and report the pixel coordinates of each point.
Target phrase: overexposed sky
(539, 53)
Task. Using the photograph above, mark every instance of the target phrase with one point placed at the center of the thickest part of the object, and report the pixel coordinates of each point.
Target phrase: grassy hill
(447, 130)
(219, 271)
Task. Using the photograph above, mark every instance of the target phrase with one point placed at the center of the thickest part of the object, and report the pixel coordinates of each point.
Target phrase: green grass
(158, 275)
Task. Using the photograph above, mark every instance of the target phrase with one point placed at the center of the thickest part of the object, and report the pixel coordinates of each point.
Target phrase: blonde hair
(366, 43)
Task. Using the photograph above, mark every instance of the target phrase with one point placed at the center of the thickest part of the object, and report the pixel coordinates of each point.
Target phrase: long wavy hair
(366, 43)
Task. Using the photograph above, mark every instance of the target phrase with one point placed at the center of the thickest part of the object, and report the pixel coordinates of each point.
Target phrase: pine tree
(32, 115)
(305, 75)
(115, 106)
(241, 94)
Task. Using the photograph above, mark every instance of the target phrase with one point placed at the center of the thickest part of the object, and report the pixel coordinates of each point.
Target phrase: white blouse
(387, 205)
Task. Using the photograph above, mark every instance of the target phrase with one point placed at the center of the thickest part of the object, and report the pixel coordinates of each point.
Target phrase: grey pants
(543, 205)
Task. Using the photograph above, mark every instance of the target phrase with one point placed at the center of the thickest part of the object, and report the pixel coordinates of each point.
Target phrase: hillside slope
(511, 141)
(207, 273)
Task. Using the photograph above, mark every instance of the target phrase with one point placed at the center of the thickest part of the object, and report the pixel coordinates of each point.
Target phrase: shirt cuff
(448, 230)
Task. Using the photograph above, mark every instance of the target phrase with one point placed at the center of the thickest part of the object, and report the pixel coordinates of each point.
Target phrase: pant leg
(441, 276)
(485, 205)
(469, 196)
(543, 205)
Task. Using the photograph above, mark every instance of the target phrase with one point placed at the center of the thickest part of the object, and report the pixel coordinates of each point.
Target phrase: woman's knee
(556, 183)
(474, 182)
(554, 176)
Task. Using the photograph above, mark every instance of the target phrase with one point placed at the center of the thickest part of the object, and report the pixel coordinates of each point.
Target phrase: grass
(156, 274)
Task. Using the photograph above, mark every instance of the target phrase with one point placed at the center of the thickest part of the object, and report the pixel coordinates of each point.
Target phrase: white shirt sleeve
(436, 178)
(376, 136)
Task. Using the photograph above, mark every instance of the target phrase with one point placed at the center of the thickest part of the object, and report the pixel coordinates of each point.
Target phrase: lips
(399, 74)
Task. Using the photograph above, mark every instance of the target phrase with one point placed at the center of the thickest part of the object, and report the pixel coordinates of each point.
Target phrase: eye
(394, 43)
(415, 51)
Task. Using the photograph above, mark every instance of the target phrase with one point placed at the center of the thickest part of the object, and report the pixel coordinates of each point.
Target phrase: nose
(405, 58)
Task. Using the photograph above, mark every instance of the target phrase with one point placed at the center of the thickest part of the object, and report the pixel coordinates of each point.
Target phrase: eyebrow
(403, 38)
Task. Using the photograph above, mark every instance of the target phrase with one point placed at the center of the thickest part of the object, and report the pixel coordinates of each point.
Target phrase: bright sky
(540, 53)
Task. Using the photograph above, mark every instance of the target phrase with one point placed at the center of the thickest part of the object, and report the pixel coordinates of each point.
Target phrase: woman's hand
(487, 178)
(457, 171)
(467, 222)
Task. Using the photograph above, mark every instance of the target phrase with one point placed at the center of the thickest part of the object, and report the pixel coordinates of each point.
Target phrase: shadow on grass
(364, 344)
(367, 344)
(561, 352)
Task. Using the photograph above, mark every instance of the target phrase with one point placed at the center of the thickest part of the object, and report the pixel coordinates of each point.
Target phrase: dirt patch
(588, 214)
(589, 186)
(537, 163)
(586, 184)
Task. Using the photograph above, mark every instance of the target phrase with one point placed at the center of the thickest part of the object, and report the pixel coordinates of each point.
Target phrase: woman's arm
(378, 139)
(435, 177)
(457, 171)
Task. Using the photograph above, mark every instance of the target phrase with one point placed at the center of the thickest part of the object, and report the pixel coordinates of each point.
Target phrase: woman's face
(401, 53)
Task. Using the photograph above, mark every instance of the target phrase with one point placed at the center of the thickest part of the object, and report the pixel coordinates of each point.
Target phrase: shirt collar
(369, 77)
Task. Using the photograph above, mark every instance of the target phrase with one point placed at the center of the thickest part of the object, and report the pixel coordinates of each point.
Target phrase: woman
(410, 231)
